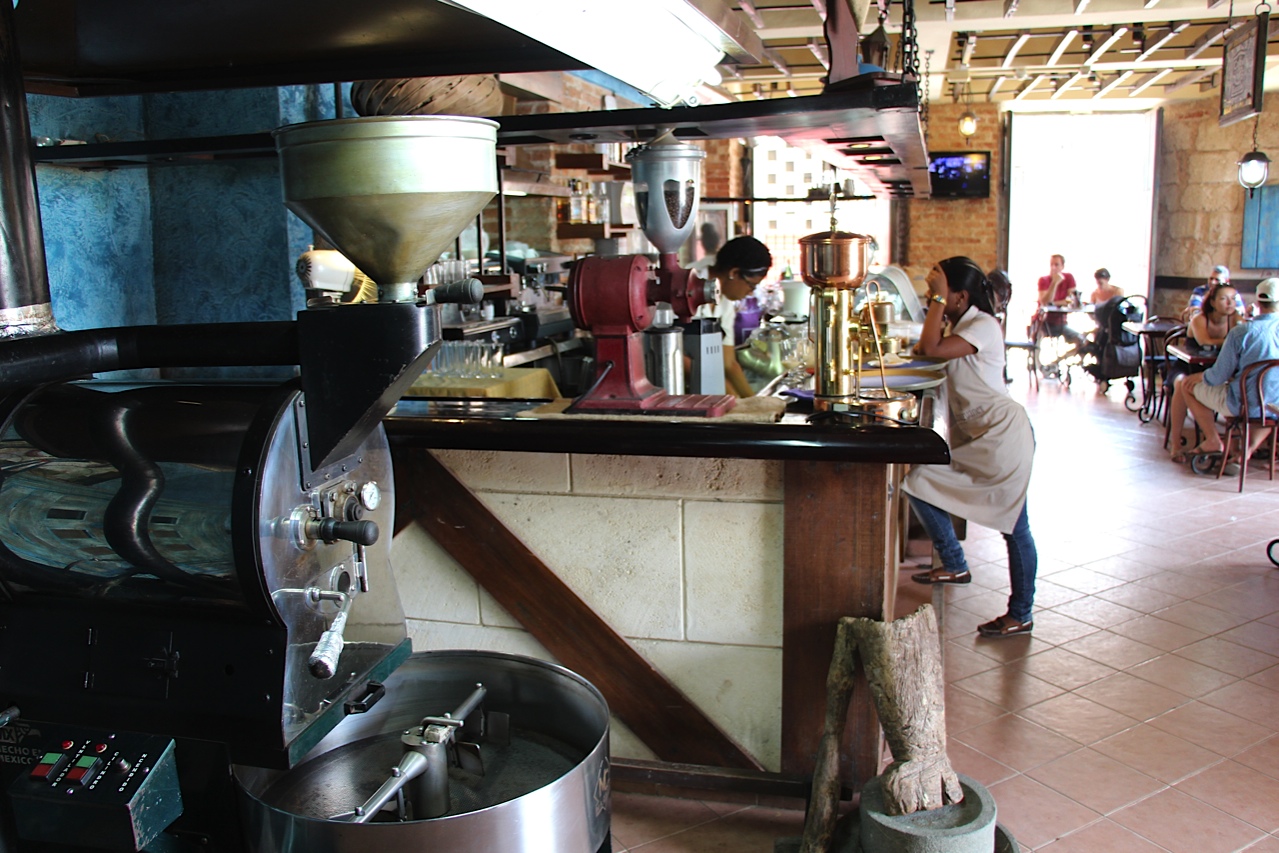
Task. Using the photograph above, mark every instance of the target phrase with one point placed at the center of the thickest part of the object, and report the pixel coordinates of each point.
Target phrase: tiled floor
(1143, 714)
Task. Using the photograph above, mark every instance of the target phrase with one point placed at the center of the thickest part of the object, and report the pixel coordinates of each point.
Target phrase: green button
(51, 758)
(85, 761)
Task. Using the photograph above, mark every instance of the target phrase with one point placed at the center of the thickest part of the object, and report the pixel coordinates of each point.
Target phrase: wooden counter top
(498, 425)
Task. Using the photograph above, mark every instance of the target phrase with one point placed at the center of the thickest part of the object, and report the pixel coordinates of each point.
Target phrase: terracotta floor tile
(1049, 594)
(1086, 580)
(1226, 656)
(966, 711)
(1265, 845)
(640, 818)
(1182, 824)
(1254, 598)
(1126, 568)
(1247, 700)
(1009, 688)
(1201, 617)
(1079, 719)
(1097, 611)
(1176, 583)
(1057, 628)
(1239, 791)
(1211, 728)
(1258, 635)
(1112, 649)
(977, 765)
(1018, 743)
(961, 662)
(1141, 599)
(1133, 696)
(1036, 814)
(1062, 668)
(1103, 835)
(1264, 757)
(1095, 780)
(1182, 675)
(1159, 633)
(1156, 753)
(1268, 678)
(751, 830)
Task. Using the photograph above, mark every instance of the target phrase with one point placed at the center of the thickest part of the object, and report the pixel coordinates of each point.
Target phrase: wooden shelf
(594, 164)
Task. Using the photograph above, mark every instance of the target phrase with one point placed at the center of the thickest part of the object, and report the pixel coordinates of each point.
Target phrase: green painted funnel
(389, 192)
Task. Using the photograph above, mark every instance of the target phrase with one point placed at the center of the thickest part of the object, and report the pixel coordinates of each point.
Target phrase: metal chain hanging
(924, 93)
(909, 41)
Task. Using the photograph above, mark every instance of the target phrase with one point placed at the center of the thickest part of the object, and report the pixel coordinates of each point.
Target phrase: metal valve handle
(331, 529)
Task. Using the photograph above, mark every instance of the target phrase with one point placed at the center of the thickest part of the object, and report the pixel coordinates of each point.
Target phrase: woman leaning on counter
(992, 446)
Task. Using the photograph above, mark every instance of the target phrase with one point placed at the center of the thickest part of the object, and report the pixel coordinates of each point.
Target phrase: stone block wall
(683, 557)
(941, 228)
(1200, 201)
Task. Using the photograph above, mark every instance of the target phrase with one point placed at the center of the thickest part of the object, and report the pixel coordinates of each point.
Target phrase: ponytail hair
(964, 274)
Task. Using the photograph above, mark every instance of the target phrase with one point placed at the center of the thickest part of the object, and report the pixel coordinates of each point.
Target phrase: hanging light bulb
(968, 118)
(1254, 168)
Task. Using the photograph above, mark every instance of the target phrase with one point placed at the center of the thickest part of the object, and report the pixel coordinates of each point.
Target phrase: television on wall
(960, 174)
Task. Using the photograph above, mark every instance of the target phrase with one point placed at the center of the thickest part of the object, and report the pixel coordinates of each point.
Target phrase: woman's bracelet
(940, 300)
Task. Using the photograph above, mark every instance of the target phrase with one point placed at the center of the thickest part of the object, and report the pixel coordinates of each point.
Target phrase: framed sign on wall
(1244, 70)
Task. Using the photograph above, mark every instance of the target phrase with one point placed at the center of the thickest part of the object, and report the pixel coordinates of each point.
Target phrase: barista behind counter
(740, 265)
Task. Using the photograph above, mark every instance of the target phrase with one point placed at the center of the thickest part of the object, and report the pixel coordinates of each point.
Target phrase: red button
(42, 772)
(77, 774)
(99, 747)
(67, 744)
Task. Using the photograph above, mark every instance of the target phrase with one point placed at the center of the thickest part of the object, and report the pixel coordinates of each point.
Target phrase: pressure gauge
(370, 495)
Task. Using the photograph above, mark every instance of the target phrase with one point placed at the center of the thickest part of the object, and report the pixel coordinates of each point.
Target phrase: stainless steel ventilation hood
(102, 47)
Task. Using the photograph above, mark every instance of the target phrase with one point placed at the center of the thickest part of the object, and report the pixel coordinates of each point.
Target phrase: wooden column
(839, 560)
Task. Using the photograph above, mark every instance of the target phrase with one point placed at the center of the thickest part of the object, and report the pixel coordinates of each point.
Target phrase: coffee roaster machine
(201, 641)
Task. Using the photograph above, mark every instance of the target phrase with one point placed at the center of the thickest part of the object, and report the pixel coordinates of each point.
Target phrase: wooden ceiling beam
(1062, 45)
(1148, 82)
(1105, 45)
(1112, 85)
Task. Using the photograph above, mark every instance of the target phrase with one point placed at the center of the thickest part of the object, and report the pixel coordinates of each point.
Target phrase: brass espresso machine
(201, 640)
(848, 339)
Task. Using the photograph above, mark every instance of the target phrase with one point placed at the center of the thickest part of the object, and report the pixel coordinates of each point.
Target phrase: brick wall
(941, 228)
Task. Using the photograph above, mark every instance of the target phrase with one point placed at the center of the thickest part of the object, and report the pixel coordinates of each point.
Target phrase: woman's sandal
(1005, 626)
(942, 576)
(1181, 457)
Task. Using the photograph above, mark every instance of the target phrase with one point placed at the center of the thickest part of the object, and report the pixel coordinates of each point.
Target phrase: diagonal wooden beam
(1028, 85)
(655, 709)
(748, 6)
(1062, 45)
(1190, 78)
(1061, 90)
(1105, 45)
(1113, 84)
(1207, 40)
(1018, 44)
(1148, 82)
(1173, 31)
(995, 86)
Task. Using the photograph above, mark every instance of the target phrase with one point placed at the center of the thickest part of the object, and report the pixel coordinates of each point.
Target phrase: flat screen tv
(960, 174)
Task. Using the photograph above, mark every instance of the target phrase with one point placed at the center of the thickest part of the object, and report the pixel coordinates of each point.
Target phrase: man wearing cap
(1219, 275)
(1216, 390)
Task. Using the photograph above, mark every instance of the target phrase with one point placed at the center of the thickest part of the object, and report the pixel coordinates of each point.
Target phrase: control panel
(113, 790)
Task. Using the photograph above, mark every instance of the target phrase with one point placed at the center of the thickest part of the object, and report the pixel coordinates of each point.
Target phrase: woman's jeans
(1023, 559)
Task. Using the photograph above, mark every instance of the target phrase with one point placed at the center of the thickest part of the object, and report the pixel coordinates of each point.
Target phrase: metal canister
(664, 351)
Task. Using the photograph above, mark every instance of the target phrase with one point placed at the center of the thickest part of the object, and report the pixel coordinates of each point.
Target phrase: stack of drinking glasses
(458, 362)
(446, 272)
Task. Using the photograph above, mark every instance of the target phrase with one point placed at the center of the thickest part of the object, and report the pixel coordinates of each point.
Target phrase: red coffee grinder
(616, 297)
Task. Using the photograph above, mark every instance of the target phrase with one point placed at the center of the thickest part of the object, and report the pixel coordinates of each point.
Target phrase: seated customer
(1216, 390)
(1219, 275)
(1219, 315)
(1105, 290)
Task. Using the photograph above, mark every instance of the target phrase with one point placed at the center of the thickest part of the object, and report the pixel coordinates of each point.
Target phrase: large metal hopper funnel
(389, 192)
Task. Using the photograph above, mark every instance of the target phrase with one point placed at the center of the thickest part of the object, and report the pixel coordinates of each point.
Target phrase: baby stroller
(1115, 352)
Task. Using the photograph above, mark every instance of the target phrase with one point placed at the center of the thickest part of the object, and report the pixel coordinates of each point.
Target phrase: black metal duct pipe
(70, 355)
(25, 308)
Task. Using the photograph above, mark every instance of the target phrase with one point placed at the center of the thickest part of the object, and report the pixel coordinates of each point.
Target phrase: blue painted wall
(173, 244)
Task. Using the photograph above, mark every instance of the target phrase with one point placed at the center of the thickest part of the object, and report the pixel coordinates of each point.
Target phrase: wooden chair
(1239, 428)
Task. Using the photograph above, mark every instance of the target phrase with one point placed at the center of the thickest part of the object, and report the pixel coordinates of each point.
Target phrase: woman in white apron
(991, 443)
